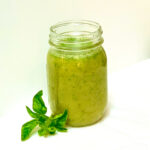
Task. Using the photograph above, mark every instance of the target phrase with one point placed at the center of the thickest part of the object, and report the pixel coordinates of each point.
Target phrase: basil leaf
(31, 113)
(43, 118)
(27, 129)
(42, 123)
(60, 129)
(61, 120)
(38, 103)
(52, 123)
(43, 132)
(57, 116)
(52, 130)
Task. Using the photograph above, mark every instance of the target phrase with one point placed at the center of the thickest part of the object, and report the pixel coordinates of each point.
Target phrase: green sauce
(78, 82)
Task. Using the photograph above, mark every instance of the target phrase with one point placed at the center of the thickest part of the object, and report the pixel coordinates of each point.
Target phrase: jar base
(89, 124)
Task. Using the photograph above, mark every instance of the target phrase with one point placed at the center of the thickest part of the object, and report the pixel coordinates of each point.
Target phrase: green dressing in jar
(77, 72)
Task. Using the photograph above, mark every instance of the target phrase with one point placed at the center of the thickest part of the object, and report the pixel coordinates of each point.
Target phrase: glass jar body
(77, 81)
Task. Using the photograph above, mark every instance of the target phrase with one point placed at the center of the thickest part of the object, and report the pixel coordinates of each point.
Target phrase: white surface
(125, 127)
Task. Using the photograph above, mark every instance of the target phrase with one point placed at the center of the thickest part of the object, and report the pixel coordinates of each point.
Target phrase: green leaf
(52, 130)
(61, 119)
(31, 113)
(43, 118)
(27, 129)
(52, 122)
(38, 103)
(57, 116)
(43, 132)
(45, 125)
(61, 129)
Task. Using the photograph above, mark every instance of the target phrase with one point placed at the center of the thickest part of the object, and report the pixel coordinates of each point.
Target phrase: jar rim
(79, 32)
(88, 22)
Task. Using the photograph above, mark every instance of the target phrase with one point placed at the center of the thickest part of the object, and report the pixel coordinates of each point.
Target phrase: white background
(24, 31)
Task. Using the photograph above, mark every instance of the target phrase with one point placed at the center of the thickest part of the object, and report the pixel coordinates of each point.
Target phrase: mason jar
(77, 71)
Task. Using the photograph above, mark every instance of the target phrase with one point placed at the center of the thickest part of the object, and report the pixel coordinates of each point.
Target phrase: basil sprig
(41, 123)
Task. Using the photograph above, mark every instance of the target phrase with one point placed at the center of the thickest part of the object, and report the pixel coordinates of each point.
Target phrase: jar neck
(72, 35)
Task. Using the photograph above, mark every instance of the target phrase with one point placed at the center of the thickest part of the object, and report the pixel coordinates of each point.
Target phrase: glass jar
(77, 71)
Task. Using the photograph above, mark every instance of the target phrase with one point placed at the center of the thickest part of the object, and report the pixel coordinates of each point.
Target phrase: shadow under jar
(77, 71)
